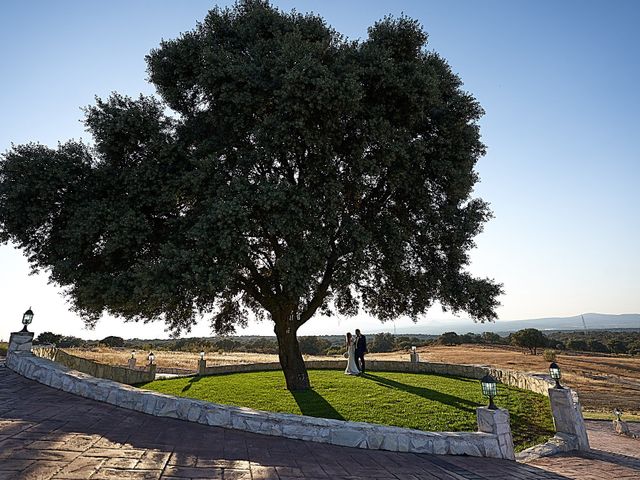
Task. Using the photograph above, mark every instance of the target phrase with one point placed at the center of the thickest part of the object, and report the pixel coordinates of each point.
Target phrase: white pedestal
(20, 342)
(567, 415)
(497, 422)
(202, 367)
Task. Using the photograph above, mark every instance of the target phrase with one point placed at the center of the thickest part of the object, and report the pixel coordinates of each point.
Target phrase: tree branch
(321, 291)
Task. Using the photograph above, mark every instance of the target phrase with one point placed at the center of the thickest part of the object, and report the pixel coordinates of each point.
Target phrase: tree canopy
(281, 170)
(530, 338)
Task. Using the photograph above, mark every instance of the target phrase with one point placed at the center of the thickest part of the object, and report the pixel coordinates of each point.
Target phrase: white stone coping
(301, 427)
(560, 443)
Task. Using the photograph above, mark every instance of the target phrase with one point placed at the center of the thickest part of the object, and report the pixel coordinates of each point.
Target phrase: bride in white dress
(352, 366)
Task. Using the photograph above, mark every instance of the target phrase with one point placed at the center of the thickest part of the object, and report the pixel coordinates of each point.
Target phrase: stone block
(351, 437)
(390, 442)
(463, 447)
(567, 415)
(374, 440)
(496, 422)
(20, 342)
(218, 417)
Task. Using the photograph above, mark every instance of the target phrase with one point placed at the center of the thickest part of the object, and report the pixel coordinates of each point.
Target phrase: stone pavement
(46, 433)
(611, 456)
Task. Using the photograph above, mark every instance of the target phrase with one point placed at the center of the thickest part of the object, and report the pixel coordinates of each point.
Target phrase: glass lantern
(554, 373)
(151, 358)
(489, 389)
(27, 318)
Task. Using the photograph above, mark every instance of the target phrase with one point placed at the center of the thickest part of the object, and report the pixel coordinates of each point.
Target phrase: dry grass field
(603, 382)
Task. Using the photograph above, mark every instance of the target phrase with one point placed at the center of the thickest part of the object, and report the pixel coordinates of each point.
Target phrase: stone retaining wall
(95, 369)
(337, 432)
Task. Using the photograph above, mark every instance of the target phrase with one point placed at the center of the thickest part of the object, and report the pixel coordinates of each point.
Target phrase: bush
(491, 338)
(598, 346)
(313, 345)
(549, 355)
(576, 344)
(382, 342)
(449, 338)
(634, 348)
(71, 342)
(3, 349)
(112, 341)
(617, 346)
(335, 350)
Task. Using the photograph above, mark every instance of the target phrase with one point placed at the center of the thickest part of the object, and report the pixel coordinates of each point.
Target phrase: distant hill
(594, 321)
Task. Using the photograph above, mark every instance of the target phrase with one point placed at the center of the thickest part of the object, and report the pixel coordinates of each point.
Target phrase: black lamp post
(554, 372)
(489, 389)
(27, 318)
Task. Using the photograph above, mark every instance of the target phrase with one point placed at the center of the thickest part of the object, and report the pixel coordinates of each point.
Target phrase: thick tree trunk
(293, 367)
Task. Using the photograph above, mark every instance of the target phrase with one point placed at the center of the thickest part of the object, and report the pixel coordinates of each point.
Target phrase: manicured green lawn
(423, 402)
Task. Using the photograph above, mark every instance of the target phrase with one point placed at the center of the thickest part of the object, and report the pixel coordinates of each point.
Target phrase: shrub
(617, 346)
(313, 345)
(577, 344)
(335, 350)
(112, 341)
(382, 342)
(71, 342)
(449, 338)
(549, 355)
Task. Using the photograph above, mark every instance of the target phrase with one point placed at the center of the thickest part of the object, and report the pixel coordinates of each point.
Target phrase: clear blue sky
(558, 81)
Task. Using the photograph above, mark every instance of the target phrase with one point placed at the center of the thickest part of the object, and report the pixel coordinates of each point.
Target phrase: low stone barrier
(493, 441)
(100, 370)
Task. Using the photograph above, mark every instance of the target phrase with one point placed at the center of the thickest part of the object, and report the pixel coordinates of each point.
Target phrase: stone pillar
(497, 422)
(567, 415)
(202, 367)
(152, 370)
(414, 357)
(20, 342)
(131, 363)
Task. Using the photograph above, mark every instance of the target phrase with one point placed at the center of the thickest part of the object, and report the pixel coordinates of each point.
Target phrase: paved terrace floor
(46, 433)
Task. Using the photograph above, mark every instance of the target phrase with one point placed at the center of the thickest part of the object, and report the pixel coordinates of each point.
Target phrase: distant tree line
(309, 345)
(533, 340)
(597, 341)
(530, 339)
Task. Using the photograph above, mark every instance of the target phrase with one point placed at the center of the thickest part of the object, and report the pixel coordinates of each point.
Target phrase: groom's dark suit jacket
(361, 345)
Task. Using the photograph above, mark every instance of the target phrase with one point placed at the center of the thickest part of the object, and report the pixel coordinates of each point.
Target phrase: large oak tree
(282, 171)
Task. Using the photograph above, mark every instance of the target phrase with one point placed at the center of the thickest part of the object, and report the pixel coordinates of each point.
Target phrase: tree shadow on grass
(313, 404)
(193, 380)
(425, 393)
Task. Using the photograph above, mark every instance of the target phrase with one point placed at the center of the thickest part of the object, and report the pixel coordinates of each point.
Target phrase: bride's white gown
(352, 366)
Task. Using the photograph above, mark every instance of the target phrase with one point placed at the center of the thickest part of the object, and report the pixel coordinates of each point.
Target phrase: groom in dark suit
(361, 349)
